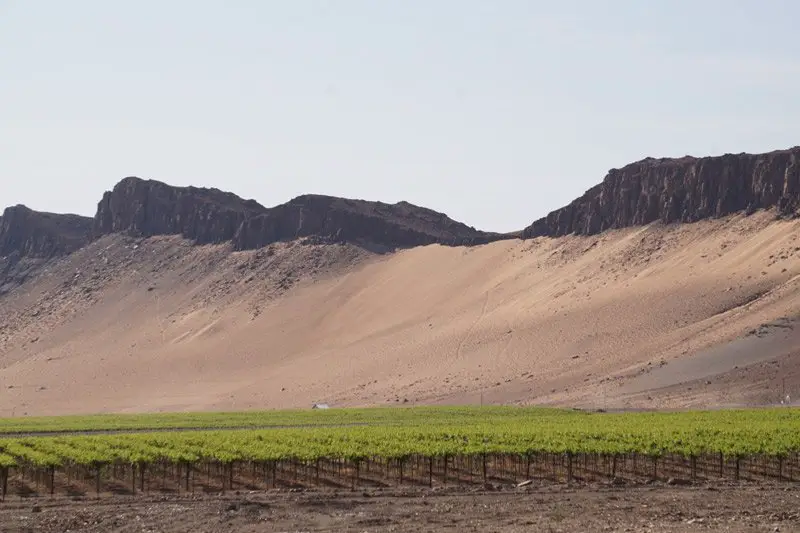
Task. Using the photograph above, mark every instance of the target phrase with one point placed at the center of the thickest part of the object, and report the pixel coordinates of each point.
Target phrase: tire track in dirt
(469, 332)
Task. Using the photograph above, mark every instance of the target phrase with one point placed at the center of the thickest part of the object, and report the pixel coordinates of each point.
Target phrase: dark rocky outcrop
(147, 208)
(397, 225)
(30, 238)
(30, 233)
(680, 190)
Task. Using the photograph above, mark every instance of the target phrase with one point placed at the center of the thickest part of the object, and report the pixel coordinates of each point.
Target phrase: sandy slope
(576, 320)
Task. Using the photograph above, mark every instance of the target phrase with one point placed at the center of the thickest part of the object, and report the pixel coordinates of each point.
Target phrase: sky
(494, 112)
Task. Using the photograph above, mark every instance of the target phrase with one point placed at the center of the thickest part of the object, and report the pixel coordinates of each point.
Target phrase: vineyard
(424, 447)
(267, 419)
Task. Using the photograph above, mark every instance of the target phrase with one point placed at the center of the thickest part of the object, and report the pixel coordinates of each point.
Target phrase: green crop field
(266, 419)
(423, 445)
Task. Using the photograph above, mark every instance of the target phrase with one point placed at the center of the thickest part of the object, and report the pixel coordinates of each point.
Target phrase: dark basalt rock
(399, 225)
(30, 238)
(680, 190)
(148, 208)
(28, 233)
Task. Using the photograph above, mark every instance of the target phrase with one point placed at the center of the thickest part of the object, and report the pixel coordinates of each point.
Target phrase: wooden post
(430, 471)
(694, 468)
(97, 480)
(585, 465)
(614, 467)
(446, 459)
(400, 461)
(4, 482)
(655, 467)
(569, 468)
(52, 480)
(470, 461)
(554, 470)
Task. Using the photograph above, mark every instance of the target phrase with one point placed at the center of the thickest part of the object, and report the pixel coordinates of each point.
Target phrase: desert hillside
(159, 324)
(191, 299)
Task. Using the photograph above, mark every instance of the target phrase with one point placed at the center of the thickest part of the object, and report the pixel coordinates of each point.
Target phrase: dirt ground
(655, 508)
(618, 320)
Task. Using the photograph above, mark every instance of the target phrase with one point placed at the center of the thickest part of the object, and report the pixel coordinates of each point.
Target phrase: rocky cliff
(28, 233)
(680, 190)
(146, 208)
(397, 225)
(30, 238)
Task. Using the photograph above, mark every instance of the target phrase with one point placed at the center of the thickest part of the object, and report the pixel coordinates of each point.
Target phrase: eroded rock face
(30, 233)
(30, 238)
(397, 225)
(680, 190)
(148, 208)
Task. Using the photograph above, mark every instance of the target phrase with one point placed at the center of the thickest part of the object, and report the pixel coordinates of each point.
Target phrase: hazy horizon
(495, 114)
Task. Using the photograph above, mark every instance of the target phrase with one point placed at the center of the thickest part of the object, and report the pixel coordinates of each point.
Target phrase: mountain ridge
(41, 234)
(147, 208)
(666, 190)
(311, 308)
(686, 189)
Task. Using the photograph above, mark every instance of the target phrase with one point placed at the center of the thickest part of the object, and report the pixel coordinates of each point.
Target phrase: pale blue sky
(494, 112)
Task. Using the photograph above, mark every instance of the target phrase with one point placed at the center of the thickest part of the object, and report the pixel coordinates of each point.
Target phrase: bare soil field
(653, 508)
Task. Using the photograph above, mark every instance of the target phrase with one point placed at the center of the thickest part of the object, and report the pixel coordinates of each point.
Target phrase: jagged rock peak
(146, 208)
(28, 233)
(685, 189)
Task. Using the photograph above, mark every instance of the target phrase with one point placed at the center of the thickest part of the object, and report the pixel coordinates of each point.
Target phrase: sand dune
(158, 325)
